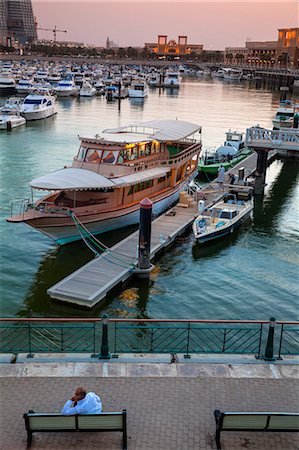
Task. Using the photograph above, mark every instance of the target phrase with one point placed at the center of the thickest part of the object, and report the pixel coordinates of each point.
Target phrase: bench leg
(29, 438)
(217, 439)
(125, 446)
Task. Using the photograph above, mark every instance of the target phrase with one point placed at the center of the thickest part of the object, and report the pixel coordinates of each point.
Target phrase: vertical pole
(145, 228)
(261, 167)
(105, 354)
(270, 341)
(29, 336)
(187, 356)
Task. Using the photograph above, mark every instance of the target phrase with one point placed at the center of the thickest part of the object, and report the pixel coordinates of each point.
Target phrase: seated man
(82, 403)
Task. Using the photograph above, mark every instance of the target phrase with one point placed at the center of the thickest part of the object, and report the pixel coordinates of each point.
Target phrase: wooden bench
(254, 421)
(48, 422)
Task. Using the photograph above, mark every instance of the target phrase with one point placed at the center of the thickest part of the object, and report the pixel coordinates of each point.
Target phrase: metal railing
(272, 138)
(264, 339)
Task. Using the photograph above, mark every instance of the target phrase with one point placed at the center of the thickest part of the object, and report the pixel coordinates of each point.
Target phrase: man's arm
(69, 410)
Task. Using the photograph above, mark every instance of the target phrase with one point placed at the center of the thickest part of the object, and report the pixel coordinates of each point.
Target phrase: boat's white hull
(172, 84)
(24, 90)
(15, 121)
(136, 94)
(65, 234)
(39, 114)
(66, 93)
(88, 93)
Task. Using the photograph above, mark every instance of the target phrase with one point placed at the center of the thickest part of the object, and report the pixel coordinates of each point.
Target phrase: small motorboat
(87, 90)
(284, 117)
(225, 216)
(10, 118)
(228, 155)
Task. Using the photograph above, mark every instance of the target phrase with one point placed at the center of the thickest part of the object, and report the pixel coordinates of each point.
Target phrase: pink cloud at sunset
(214, 24)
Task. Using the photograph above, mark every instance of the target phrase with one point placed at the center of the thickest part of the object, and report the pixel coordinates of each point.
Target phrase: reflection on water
(174, 92)
(138, 103)
(251, 274)
(267, 211)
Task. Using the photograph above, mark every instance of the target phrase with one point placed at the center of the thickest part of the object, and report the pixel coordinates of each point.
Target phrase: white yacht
(138, 88)
(218, 74)
(10, 118)
(154, 79)
(66, 88)
(13, 103)
(172, 79)
(232, 74)
(41, 75)
(38, 105)
(87, 90)
(284, 117)
(7, 84)
(25, 86)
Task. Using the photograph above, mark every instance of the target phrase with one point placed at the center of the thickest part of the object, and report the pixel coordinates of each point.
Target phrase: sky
(215, 24)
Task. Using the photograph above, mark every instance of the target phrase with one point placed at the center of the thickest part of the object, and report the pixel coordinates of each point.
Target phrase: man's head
(80, 393)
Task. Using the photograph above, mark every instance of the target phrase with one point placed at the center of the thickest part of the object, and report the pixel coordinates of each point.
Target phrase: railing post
(187, 356)
(30, 355)
(105, 354)
(269, 352)
(93, 355)
(280, 341)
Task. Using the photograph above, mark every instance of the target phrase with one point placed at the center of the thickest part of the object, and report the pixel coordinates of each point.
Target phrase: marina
(46, 266)
(149, 225)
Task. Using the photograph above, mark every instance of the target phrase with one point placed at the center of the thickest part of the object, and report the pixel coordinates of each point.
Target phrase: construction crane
(54, 31)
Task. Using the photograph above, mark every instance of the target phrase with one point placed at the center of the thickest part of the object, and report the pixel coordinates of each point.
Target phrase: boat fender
(8, 125)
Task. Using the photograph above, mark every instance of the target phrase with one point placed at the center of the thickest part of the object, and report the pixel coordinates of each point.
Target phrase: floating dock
(91, 283)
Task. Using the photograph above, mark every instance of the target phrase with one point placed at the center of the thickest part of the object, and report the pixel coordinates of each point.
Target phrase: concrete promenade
(170, 405)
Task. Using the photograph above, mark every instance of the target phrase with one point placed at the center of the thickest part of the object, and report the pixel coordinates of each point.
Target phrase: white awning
(143, 175)
(73, 179)
(160, 130)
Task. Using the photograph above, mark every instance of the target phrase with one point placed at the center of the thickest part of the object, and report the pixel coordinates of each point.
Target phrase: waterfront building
(17, 23)
(3, 22)
(288, 47)
(170, 48)
(261, 54)
(282, 53)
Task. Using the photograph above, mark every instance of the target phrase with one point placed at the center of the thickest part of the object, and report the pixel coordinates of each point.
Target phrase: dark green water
(251, 275)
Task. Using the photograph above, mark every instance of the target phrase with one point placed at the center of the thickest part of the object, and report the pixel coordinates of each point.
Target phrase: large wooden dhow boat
(110, 175)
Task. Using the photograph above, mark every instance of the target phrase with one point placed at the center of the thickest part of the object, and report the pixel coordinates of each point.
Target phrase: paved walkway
(170, 406)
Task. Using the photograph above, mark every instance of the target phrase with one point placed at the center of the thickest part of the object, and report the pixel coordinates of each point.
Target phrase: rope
(99, 244)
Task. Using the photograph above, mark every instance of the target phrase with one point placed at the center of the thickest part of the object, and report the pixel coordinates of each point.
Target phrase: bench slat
(245, 421)
(50, 423)
(111, 422)
(285, 422)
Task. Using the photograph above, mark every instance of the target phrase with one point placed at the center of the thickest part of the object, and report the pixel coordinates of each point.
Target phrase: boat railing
(18, 206)
(148, 163)
(49, 208)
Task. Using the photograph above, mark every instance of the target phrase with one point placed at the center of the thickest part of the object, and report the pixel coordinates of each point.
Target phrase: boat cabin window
(32, 101)
(234, 137)
(228, 214)
(81, 153)
(285, 114)
(140, 186)
(93, 156)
